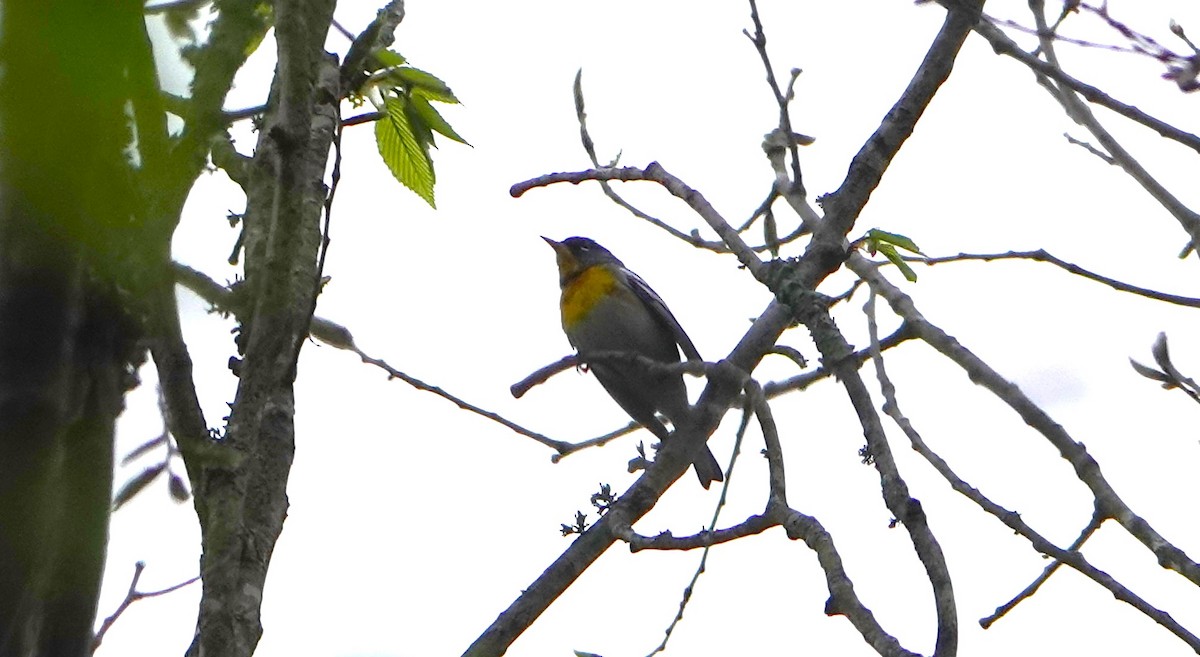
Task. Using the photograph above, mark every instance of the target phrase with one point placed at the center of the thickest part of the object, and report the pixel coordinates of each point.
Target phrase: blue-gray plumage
(606, 307)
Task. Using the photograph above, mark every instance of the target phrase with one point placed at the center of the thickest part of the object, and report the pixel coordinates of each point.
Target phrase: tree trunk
(242, 515)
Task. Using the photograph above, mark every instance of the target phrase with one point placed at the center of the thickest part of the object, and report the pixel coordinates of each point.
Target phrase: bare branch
(379, 34)
(1011, 519)
(842, 600)
(1104, 157)
(336, 335)
(589, 147)
(181, 404)
(1040, 255)
(755, 524)
(655, 173)
(774, 389)
(542, 375)
(131, 596)
(367, 117)
(759, 38)
(1082, 114)
(1086, 467)
(843, 206)
(672, 461)
(676, 455)
(1003, 45)
(1003, 609)
(394, 373)
(835, 351)
(773, 447)
(711, 531)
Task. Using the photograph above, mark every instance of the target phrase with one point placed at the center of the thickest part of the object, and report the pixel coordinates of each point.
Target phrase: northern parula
(606, 307)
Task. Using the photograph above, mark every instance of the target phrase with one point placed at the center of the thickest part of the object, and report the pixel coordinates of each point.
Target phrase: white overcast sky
(413, 524)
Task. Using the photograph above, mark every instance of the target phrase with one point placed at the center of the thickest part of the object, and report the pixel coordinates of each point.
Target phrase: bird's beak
(563, 253)
(565, 259)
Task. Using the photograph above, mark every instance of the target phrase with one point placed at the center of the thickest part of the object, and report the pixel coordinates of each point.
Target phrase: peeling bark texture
(67, 217)
(246, 505)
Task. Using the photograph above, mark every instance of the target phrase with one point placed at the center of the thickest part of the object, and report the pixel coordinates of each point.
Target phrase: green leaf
(404, 155)
(420, 129)
(890, 253)
(877, 237)
(415, 78)
(388, 58)
(264, 12)
(430, 117)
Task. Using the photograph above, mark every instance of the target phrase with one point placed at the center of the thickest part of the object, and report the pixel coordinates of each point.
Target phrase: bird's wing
(655, 303)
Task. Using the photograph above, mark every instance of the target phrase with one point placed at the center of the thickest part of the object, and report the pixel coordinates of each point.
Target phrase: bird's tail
(707, 468)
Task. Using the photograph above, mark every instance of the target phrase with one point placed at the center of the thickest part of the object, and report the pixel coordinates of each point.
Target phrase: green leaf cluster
(405, 132)
(881, 241)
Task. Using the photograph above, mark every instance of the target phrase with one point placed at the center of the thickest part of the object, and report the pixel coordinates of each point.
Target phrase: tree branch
(245, 510)
(1041, 255)
(1013, 520)
(1082, 114)
(1086, 468)
(1002, 45)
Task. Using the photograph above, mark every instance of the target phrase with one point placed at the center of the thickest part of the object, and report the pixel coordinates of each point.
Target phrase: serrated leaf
(420, 129)
(890, 253)
(160, 440)
(877, 237)
(387, 58)
(417, 79)
(137, 484)
(404, 155)
(431, 118)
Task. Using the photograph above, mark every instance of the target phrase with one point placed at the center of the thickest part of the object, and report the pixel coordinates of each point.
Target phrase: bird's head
(576, 254)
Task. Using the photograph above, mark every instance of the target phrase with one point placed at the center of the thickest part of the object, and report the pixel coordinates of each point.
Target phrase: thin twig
(1082, 114)
(394, 373)
(1028, 592)
(132, 596)
(1003, 45)
(1086, 468)
(712, 526)
(843, 600)
(1104, 157)
(589, 147)
(654, 172)
(1041, 255)
(1071, 557)
(366, 117)
(759, 39)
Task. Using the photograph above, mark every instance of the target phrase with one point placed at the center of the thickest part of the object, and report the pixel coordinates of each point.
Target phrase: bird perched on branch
(607, 308)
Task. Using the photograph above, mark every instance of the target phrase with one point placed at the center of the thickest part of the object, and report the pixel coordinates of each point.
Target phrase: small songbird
(606, 307)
